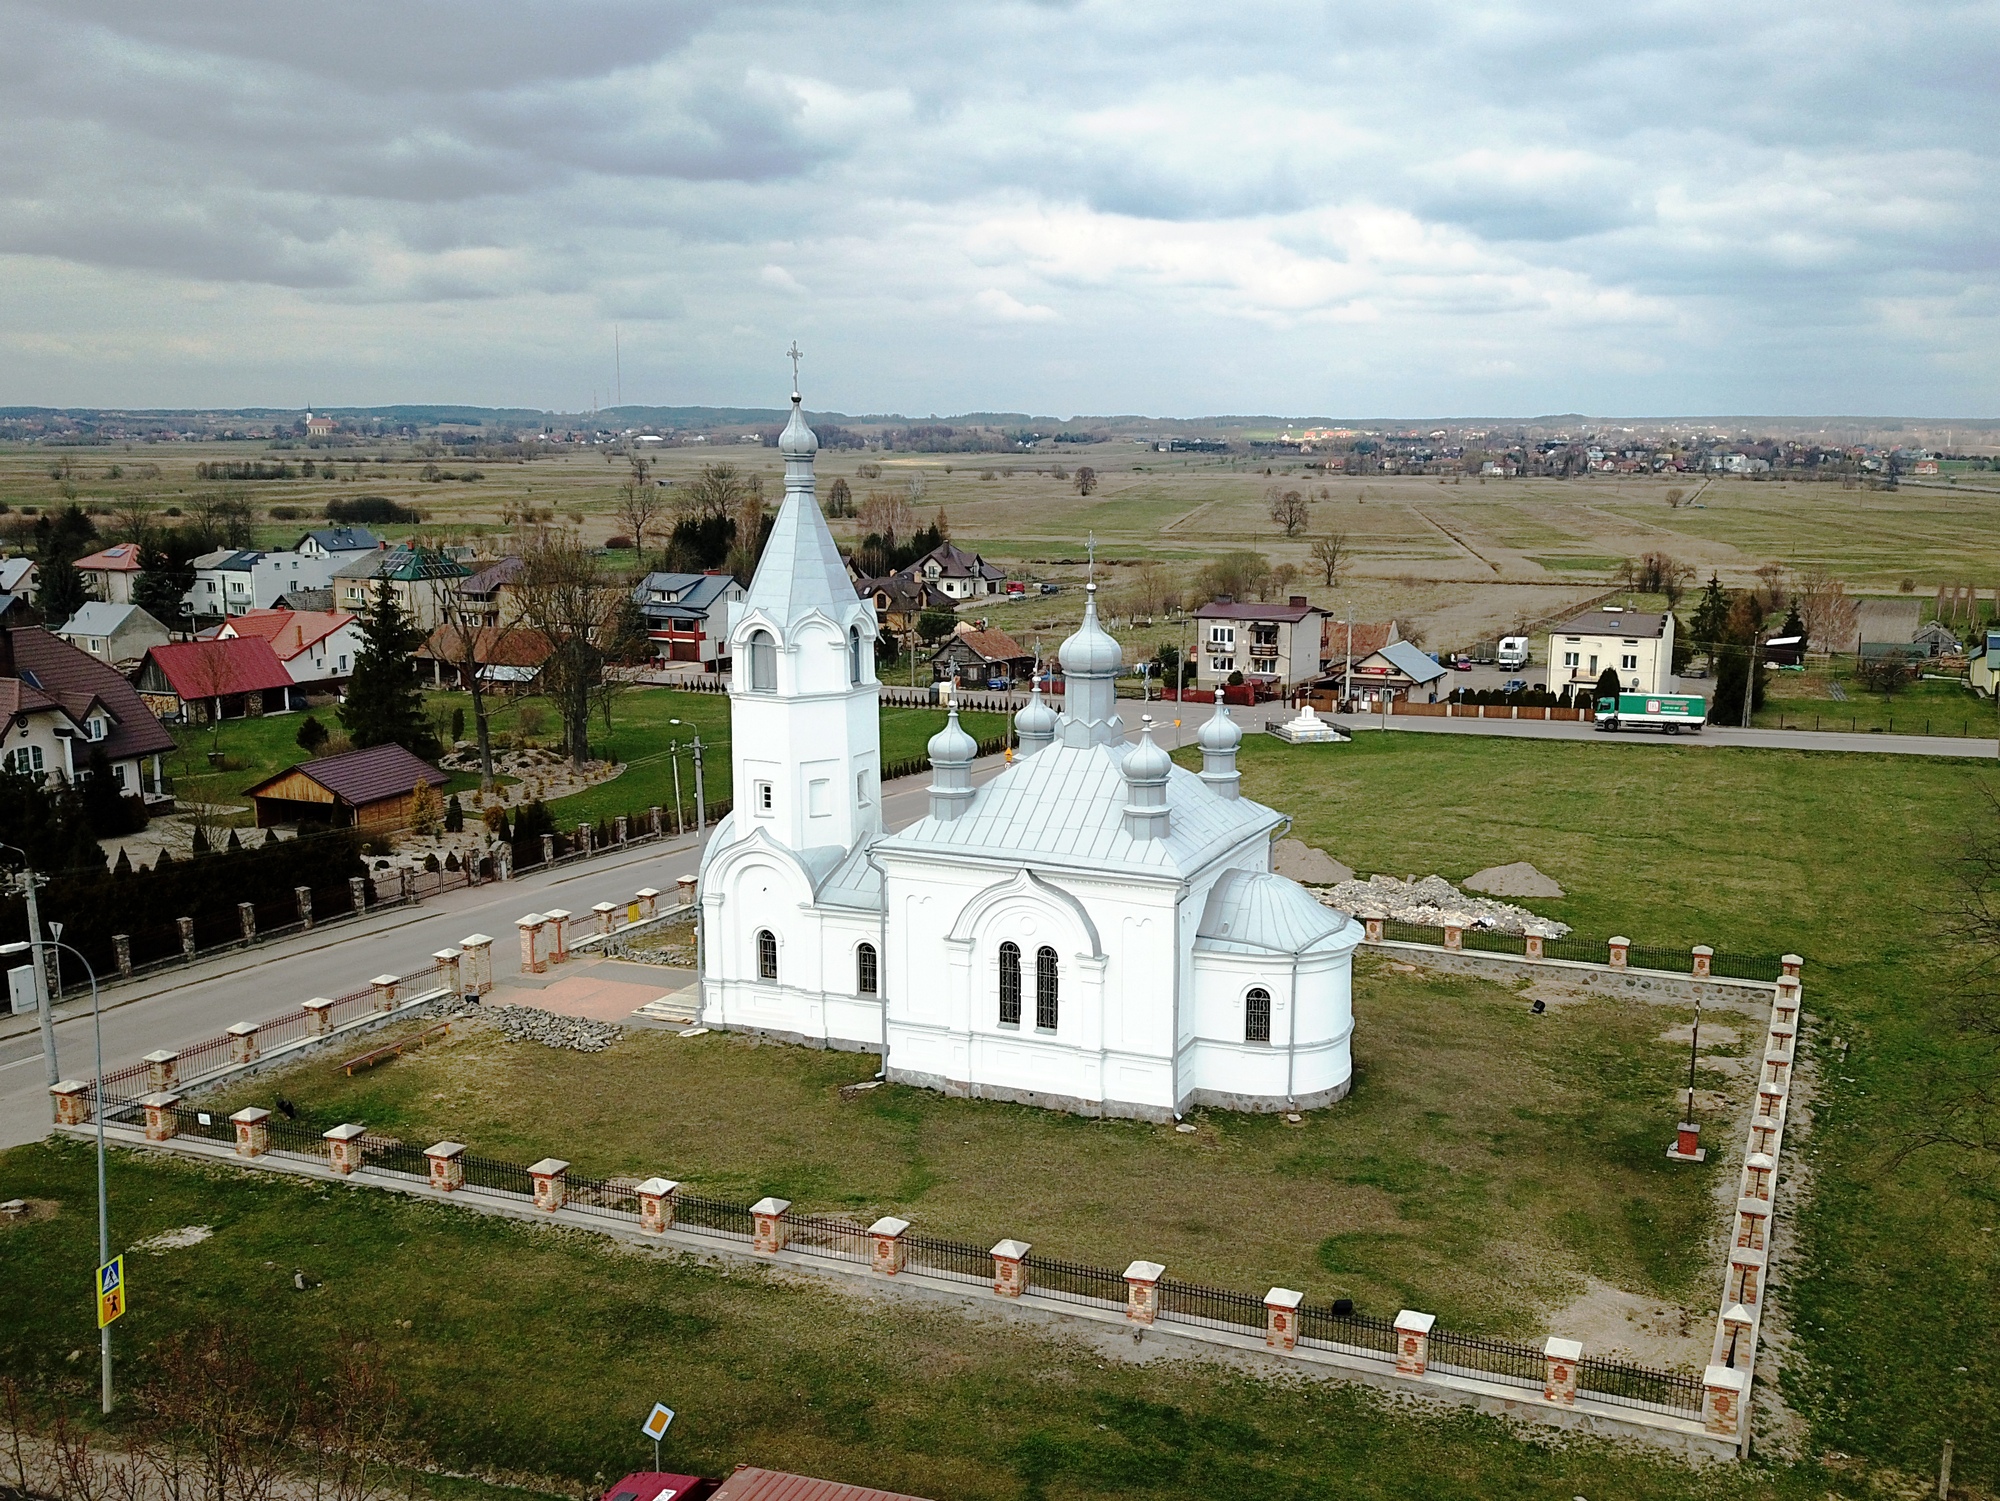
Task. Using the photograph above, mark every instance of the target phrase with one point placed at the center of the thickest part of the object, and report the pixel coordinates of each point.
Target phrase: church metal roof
(1257, 912)
(1065, 805)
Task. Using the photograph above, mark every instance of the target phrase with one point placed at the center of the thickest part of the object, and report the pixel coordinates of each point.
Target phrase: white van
(1513, 651)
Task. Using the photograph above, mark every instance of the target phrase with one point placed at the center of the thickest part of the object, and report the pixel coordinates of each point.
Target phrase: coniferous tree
(165, 577)
(1711, 617)
(62, 592)
(385, 697)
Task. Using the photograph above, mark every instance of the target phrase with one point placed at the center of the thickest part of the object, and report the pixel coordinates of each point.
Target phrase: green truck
(1669, 712)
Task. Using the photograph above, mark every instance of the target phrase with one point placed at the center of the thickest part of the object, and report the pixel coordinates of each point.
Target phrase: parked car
(1052, 588)
(1463, 664)
(1514, 685)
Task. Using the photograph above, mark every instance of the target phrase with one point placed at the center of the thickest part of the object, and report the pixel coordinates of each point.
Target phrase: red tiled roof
(78, 679)
(492, 646)
(753, 1484)
(289, 631)
(120, 558)
(1369, 636)
(361, 777)
(217, 669)
(992, 645)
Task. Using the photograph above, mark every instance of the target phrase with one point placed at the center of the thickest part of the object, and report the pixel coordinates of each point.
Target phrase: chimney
(1299, 600)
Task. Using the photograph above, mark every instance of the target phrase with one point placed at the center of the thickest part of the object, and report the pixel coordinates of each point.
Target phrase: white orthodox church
(1094, 929)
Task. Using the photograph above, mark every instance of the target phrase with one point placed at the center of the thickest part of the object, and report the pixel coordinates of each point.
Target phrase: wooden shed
(365, 789)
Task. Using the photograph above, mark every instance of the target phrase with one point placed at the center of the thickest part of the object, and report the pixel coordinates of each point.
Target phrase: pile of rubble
(1434, 902)
(578, 1034)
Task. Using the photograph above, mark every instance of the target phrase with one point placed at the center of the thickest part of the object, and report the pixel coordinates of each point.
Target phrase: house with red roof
(201, 681)
(318, 647)
(111, 573)
(61, 707)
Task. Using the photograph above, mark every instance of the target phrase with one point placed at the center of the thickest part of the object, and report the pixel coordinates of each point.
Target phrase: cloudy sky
(1499, 207)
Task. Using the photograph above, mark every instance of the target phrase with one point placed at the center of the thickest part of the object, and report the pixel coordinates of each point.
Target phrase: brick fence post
(551, 1177)
(1758, 1169)
(1791, 964)
(1413, 1341)
(1559, 1381)
(1722, 1392)
(253, 1131)
(1372, 926)
(447, 961)
(71, 1099)
(1621, 951)
(586, 838)
(161, 1122)
(607, 913)
(475, 969)
(447, 1160)
(534, 958)
(1010, 1275)
(246, 919)
(303, 895)
(1281, 1317)
(385, 991)
(558, 935)
(1704, 961)
(1746, 1270)
(1752, 1217)
(186, 925)
(357, 893)
(684, 890)
(1785, 1001)
(657, 1198)
(890, 1254)
(1454, 936)
(768, 1215)
(654, 819)
(343, 1148)
(1534, 942)
(548, 848)
(621, 827)
(319, 1016)
(163, 1070)
(503, 862)
(647, 900)
(1142, 1291)
(121, 952)
(243, 1043)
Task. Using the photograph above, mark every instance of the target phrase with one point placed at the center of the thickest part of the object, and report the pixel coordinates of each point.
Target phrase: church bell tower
(805, 742)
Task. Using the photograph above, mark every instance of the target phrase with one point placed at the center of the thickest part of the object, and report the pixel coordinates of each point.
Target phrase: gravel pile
(578, 1034)
(1434, 902)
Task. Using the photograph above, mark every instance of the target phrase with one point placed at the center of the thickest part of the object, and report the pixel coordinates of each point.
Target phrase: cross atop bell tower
(794, 356)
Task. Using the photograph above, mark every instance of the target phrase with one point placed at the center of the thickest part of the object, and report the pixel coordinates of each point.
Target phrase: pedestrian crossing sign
(110, 1291)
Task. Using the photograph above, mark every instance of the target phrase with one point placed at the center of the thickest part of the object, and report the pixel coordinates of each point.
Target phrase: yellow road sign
(655, 1426)
(110, 1290)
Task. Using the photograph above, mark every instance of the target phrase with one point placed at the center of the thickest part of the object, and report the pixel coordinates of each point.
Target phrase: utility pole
(1750, 681)
(700, 798)
(29, 883)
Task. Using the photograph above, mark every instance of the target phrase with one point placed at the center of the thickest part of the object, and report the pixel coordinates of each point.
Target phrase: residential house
(118, 634)
(60, 705)
(901, 602)
(223, 584)
(1401, 669)
(1934, 639)
(200, 681)
(1984, 669)
(330, 546)
(420, 578)
(1274, 645)
(975, 656)
(20, 576)
(305, 599)
(688, 614)
(110, 574)
(370, 789)
(318, 647)
(1637, 644)
(504, 656)
(1345, 641)
(1885, 623)
(958, 574)
(485, 597)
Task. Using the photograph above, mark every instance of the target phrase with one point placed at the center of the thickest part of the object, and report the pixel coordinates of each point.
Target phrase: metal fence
(1215, 1307)
(948, 1258)
(830, 1237)
(1493, 1359)
(1726, 966)
(1073, 1281)
(1411, 932)
(1638, 1386)
(1327, 1328)
(713, 1217)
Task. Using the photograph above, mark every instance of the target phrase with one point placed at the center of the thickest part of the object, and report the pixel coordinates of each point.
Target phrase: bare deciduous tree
(1085, 479)
(640, 505)
(1825, 609)
(1289, 509)
(888, 514)
(559, 593)
(1332, 554)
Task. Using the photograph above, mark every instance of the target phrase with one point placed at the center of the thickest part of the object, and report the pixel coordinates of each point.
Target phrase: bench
(395, 1049)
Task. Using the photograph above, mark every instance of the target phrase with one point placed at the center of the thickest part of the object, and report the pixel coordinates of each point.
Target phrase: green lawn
(531, 1354)
(1470, 1174)
(1802, 701)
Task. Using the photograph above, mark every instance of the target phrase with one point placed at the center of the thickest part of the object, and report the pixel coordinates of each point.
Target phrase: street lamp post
(97, 1109)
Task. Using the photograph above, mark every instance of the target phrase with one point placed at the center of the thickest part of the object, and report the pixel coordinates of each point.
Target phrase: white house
(118, 634)
(1637, 644)
(1275, 643)
(317, 647)
(1094, 929)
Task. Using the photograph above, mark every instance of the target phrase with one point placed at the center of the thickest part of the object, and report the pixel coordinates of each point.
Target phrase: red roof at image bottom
(748, 1484)
(655, 1485)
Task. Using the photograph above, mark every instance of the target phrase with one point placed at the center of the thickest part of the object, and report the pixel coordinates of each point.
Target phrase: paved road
(183, 1006)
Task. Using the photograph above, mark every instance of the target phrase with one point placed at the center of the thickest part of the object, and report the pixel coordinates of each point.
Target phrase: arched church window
(1045, 989)
(763, 663)
(866, 977)
(1257, 1015)
(1010, 984)
(767, 954)
(854, 654)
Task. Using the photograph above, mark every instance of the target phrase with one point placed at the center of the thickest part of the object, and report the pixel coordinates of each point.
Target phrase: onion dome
(1035, 725)
(951, 746)
(797, 441)
(951, 752)
(1146, 762)
(1146, 768)
(1091, 652)
(1219, 733)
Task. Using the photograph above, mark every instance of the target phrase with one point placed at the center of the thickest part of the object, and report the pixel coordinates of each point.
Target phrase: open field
(1463, 558)
(531, 1354)
(1488, 1166)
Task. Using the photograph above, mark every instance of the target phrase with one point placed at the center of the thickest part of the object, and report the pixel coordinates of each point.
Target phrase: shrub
(454, 816)
(312, 736)
(370, 508)
(288, 513)
(618, 544)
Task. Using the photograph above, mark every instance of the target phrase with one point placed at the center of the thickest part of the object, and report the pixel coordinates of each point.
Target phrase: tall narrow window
(866, 980)
(1257, 1015)
(854, 654)
(763, 663)
(1010, 985)
(1045, 989)
(767, 954)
